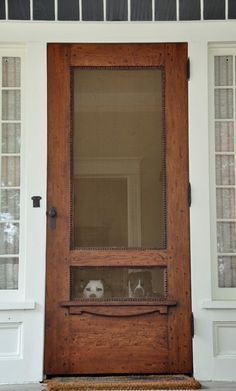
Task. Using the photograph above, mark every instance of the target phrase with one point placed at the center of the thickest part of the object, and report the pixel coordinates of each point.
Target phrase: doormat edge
(189, 383)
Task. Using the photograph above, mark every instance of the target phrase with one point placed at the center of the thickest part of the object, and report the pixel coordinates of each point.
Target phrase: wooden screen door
(118, 268)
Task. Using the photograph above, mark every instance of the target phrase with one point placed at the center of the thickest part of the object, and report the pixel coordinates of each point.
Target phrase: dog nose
(92, 296)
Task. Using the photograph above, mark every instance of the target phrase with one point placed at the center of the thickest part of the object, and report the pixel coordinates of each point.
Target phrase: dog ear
(83, 284)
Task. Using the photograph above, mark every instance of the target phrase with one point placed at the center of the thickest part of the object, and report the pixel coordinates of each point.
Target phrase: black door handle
(52, 213)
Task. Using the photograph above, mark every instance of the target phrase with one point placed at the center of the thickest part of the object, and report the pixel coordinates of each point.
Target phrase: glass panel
(118, 283)
(68, 10)
(43, 10)
(141, 9)
(10, 205)
(232, 9)
(118, 160)
(92, 10)
(225, 174)
(165, 9)
(214, 9)
(189, 10)
(224, 103)
(9, 273)
(224, 136)
(226, 237)
(9, 238)
(11, 72)
(109, 223)
(117, 10)
(10, 171)
(19, 9)
(11, 105)
(227, 272)
(223, 70)
(11, 138)
(225, 201)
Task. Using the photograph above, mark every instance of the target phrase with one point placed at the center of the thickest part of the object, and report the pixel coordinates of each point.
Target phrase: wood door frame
(60, 58)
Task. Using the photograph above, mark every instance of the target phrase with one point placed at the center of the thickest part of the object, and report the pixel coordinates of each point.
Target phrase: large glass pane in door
(118, 158)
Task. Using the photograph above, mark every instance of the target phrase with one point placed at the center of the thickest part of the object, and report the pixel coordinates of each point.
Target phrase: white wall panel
(10, 341)
(224, 339)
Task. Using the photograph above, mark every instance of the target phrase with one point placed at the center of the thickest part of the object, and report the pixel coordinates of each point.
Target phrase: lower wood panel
(111, 345)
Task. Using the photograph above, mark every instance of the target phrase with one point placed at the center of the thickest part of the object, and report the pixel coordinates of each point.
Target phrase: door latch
(36, 201)
(52, 213)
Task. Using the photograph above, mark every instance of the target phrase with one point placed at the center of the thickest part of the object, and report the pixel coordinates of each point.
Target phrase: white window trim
(15, 295)
(217, 292)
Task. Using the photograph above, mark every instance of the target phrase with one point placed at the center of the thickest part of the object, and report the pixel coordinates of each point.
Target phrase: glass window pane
(118, 160)
(11, 71)
(9, 238)
(118, 283)
(224, 103)
(226, 237)
(11, 102)
(116, 10)
(11, 138)
(10, 204)
(223, 70)
(165, 10)
(110, 224)
(225, 174)
(9, 273)
(227, 272)
(224, 137)
(10, 171)
(92, 10)
(141, 9)
(225, 201)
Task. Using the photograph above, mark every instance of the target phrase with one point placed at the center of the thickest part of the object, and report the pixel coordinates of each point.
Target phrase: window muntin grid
(225, 183)
(10, 142)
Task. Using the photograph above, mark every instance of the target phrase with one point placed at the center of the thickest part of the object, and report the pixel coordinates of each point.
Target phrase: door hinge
(192, 325)
(188, 68)
(189, 194)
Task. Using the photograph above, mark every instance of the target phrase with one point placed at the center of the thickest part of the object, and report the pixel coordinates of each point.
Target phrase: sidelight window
(223, 99)
(10, 170)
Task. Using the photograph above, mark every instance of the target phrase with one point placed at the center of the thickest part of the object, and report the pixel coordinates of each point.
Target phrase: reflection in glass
(223, 70)
(11, 102)
(9, 273)
(226, 237)
(118, 158)
(9, 238)
(11, 138)
(118, 283)
(225, 174)
(10, 204)
(224, 136)
(225, 204)
(11, 71)
(227, 271)
(10, 171)
(224, 103)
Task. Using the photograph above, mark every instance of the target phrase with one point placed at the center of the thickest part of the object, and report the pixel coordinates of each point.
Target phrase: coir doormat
(142, 382)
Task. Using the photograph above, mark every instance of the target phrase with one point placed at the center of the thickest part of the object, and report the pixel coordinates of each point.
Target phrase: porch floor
(213, 386)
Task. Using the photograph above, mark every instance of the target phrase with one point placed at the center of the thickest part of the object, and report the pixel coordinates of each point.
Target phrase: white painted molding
(17, 305)
(219, 304)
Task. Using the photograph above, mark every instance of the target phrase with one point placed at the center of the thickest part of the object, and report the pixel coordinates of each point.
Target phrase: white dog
(94, 289)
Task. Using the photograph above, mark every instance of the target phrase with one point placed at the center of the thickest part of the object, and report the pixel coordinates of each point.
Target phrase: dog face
(94, 289)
